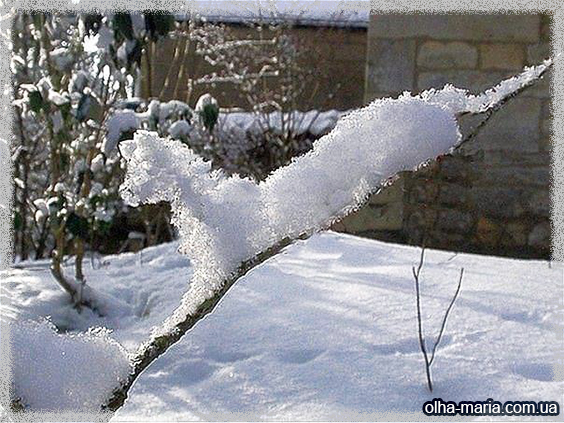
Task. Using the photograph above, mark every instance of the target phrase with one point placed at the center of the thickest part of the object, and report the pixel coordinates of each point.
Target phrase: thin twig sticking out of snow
(430, 358)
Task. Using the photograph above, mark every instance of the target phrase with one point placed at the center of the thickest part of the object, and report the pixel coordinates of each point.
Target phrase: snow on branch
(225, 221)
(460, 102)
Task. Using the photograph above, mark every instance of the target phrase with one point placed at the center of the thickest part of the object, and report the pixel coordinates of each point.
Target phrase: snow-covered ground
(324, 331)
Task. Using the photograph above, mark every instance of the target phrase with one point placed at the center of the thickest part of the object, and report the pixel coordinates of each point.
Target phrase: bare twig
(416, 273)
(429, 359)
(443, 325)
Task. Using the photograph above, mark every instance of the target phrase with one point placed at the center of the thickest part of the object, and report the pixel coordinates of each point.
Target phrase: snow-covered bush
(75, 81)
(69, 73)
(245, 143)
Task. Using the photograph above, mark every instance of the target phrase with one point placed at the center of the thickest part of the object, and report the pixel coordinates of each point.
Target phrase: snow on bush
(64, 372)
(224, 221)
(121, 121)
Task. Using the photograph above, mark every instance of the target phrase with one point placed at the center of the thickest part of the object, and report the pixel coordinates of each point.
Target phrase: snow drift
(52, 370)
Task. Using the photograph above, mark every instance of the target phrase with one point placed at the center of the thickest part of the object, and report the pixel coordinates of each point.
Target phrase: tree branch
(156, 347)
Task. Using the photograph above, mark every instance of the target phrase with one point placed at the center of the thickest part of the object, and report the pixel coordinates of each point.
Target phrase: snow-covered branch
(229, 225)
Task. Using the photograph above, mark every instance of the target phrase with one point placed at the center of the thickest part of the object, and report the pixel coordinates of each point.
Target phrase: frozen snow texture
(327, 331)
(64, 372)
(224, 221)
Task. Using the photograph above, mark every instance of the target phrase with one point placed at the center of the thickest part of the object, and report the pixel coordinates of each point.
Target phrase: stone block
(540, 236)
(514, 127)
(537, 202)
(546, 127)
(516, 234)
(389, 194)
(488, 232)
(497, 202)
(391, 65)
(502, 56)
(546, 27)
(454, 169)
(517, 159)
(441, 55)
(541, 89)
(536, 53)
(546, 144)
(478, 27)
(546, 109)
(517, 176)
(453, 194)
(455, 221)
(386, 217)
(425, 193)
(421, 219)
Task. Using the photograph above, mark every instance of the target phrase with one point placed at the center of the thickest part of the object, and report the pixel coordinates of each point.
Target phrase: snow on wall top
(353, 14)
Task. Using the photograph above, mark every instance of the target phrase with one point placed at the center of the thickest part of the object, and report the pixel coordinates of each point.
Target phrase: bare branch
(419, 320)
(443, 325)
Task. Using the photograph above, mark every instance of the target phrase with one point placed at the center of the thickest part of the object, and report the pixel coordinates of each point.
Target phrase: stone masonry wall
(493, 197)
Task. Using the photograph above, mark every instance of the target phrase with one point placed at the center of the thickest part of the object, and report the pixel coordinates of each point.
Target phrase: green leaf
(35, 101)
(89, 108)
(104, 227)
(94, 200)
(37, 16)
(18, 221)
(123, 27)
(64, 161)
(158, 23)
(77, 225)
(92, 22)
(209, 114)
(135, 54)
(65, 111)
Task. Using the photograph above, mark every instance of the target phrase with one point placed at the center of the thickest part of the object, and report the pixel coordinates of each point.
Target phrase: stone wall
(494, 197)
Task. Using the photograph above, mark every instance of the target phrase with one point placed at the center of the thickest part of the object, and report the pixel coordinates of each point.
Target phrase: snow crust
(323, 13)
(224, 221)
(180, 128)
(314, 122)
